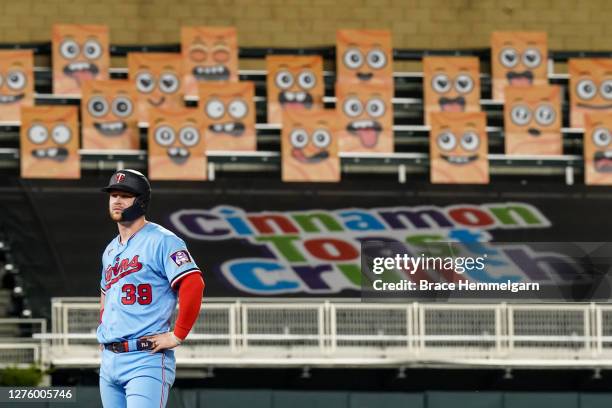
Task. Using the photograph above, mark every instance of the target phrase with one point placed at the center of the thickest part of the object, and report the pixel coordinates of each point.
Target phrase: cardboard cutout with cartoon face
(365, 114)
(597, 148)
(16, 83)
(364, 56)
(80, 53)
(210, 54)
(518, 58)
(451, 84)
(108, 115)
(532, 120)
(590, 87)
(310, 146)
(458, 148)
(49, 142)
(293, 83)
(158, 79)
(177, 149)
(229, 116)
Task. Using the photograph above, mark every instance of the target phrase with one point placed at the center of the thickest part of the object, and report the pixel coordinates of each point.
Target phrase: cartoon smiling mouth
(111, 128)
(299, 155)
(364, 76)
(367, 130)
(520, 78)
(8, 99)
(534, 132)
(295, 99)
(460, 160)
(452, 104)
(81, 71)
(230, 128)
(178, 155)
(597, 107)
(603, 161)
(214, 73)
(53, 153)
(158, 102)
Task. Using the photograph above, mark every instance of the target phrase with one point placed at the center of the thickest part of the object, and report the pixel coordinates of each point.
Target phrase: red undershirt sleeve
(191, 289)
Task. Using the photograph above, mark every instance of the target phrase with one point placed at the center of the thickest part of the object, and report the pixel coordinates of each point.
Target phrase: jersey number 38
(132, 294)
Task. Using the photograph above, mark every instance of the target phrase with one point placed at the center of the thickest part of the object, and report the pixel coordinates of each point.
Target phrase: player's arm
(190, 292)
(102, 299)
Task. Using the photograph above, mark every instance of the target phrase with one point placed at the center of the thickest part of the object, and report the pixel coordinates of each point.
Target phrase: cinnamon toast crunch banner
(16, 83)
(590, 88)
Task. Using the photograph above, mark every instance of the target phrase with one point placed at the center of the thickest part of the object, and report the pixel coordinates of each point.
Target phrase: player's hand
(163, 341)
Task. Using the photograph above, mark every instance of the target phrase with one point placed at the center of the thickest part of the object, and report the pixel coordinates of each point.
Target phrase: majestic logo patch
(119, 177)
(180, 257)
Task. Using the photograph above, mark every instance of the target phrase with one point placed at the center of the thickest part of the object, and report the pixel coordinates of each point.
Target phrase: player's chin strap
(134, 211)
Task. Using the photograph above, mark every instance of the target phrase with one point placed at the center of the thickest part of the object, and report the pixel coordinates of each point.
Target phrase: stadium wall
(336, 399)
(571, 24)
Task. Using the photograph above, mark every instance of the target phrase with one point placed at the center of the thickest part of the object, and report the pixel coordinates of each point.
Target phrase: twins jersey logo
(120, 270)
(180, 257)
(119, 177)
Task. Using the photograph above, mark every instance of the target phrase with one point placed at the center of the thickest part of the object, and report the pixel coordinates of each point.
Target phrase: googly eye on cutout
(464, 84)
(61, 134)
(238, 109)
(69, 49)
(168, 83)
(446, 141)
(92, 49)
(545, 115)
(307, 80)
(299, 138)
(352, 107)
(283, 79)
(353, 58)
(215, 109)
(532, 57)
(97, 106)
(377, 59)
(520, 115)
(164, 135)
(321, 138)
(601, 137)
(375, 107)
(606, 89)
(441, 83)
(38, 134)
(16, 80)
(145, 82)
(470, 141)
(189, 136)
(509, 57)
(122, 106)
(586, 89)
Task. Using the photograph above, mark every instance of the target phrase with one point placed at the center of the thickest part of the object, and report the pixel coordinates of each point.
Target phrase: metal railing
(350, 333)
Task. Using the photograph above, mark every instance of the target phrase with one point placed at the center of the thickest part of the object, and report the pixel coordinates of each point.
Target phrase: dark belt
(122, 346)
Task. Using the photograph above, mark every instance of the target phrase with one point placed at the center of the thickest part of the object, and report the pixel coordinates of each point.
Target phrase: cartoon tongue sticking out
(368, 136)
(452, 107)
(83, 75)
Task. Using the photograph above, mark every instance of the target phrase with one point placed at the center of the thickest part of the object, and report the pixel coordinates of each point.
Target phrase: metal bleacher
(411, 136)
(341, 333)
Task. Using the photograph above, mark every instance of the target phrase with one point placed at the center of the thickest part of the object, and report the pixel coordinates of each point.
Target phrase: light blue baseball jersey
(138, 278)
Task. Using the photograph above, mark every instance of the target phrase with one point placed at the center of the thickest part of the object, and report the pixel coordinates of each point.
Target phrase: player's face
(119, 201)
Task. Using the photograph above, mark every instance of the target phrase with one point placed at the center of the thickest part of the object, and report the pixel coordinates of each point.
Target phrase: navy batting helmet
(133, 182)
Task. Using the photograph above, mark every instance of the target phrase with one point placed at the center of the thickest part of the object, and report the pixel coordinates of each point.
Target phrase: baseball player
(144, 269)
